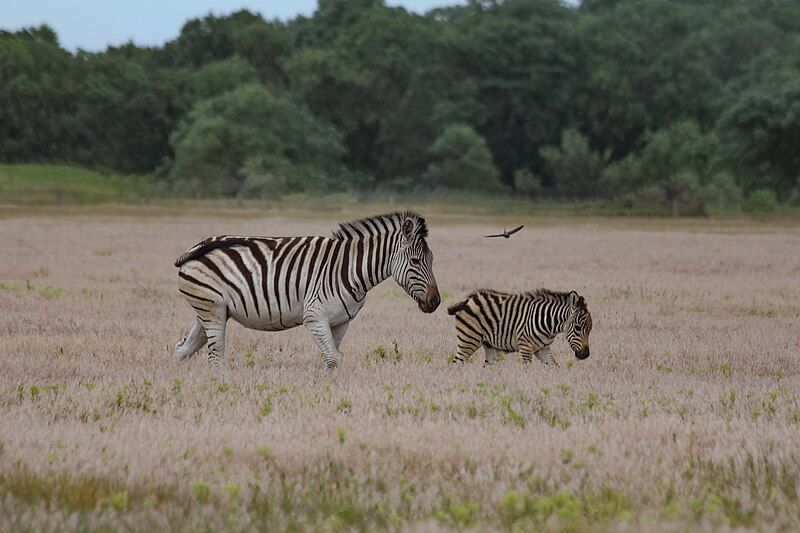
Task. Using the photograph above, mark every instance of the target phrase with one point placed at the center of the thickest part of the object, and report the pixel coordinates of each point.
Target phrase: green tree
(723, 189)
(217, 77)
(461, 160)
(526, 75)
(376, 73)
(124, 118)
(673, 162)
(574, 166)
(522, 58)
(525, 182)
(761, 133)
(37, 97)
(761, 201)
(248, 139)
(647, 66)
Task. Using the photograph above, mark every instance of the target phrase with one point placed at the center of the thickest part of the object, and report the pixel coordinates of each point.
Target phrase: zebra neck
(377, 262)
(565, 317)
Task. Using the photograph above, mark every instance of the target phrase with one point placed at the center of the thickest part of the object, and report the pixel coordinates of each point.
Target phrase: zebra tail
(455, 308)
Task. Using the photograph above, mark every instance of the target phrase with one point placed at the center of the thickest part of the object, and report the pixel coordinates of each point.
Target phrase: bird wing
(499, 235)
(513, 231)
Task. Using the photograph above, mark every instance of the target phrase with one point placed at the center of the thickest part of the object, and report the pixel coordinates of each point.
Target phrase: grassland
(42, 186)
(685, 415)
(31, 184)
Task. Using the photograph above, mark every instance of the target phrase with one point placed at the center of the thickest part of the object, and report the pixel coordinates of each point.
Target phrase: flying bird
(507, 233)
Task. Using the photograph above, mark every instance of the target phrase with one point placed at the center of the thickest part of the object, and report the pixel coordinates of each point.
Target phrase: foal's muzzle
(583, 353)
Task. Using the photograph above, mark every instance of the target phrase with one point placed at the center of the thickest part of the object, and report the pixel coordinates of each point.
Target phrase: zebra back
(212, 243)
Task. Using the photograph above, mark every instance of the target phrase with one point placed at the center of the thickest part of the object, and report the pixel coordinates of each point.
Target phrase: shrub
(525, 182)
(201, 491)
(118, 501)
(264, 451)
(723, 190)
(761, 201)
(461, 160)
(574, 166)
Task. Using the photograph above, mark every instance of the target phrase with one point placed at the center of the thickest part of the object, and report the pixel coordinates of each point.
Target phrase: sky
(94, 24)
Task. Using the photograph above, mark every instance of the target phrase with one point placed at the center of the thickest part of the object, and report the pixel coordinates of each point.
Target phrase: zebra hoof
(179, 354)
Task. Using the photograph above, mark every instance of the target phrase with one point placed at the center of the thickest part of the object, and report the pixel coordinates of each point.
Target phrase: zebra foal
(277, 283)
(527, 322)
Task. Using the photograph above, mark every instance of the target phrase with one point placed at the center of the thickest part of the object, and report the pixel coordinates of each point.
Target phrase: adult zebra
(277, 283)
(526, 322)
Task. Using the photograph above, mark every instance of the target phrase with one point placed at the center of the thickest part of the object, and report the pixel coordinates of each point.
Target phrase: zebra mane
(366, 226)
(546, 294)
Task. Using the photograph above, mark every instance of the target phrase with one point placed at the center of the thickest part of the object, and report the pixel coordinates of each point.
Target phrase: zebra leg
(546, 356)
(215, 332)
(338, 333)
(491, 356)
(466, 347)
(526, 350)
(193, 341)
(320, 331)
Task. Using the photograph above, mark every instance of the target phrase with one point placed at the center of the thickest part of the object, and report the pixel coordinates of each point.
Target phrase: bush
(670, 165)
(794, 197)
(249, 141)
(723, 191)
(461, 160)
(201, 491)
(526, 182)
(761, 201)
(574, 166)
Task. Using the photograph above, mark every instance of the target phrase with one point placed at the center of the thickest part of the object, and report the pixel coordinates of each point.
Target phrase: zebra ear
(574, 298)
(408, 228)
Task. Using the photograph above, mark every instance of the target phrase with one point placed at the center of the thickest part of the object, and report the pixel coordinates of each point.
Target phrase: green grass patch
(74, 491)
(63, 184)
(739, 492)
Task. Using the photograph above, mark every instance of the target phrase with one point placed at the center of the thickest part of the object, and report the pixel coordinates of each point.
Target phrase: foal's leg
(467, 344)
(491, 355)
(544, 354)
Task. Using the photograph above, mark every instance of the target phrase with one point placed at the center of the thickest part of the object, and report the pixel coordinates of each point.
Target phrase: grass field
(685, 415)
(64, 184)
(32, 186)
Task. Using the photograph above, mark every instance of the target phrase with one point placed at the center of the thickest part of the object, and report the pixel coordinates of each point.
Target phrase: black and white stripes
(276, 283)
(526, 322)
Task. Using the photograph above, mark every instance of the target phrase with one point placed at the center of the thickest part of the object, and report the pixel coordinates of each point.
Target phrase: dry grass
(686, 414)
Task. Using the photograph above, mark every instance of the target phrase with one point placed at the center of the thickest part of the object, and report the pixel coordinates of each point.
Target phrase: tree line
(682, 104)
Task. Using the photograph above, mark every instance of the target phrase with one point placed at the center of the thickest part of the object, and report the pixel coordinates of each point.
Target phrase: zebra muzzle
(432, 299)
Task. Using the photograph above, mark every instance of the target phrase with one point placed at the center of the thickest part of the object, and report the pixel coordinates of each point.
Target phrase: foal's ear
(573, 298)
(408, 228)
(576, 299)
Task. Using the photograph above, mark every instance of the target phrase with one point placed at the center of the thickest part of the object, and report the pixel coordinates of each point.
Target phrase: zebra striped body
(277, 283)
(526, 322)
(264, 283)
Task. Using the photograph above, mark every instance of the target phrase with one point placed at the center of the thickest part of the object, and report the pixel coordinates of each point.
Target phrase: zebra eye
(414, 261)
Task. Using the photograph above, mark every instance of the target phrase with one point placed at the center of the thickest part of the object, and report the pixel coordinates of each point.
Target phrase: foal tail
(455, 308)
